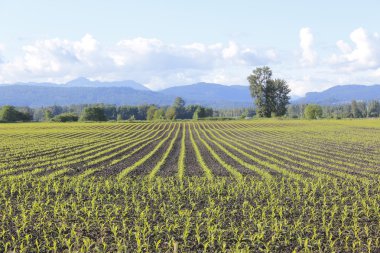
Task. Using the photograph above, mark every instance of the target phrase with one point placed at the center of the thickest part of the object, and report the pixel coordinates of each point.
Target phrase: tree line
(104, 112)
(355, 109)
(271, 99)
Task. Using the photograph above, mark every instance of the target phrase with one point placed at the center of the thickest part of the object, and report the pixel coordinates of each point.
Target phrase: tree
(179, 102)
(110, 112)
(313, 111)
(159, 114)
(95, 113)
(170, 113)
(271, 96)
(374, 108)
(196, 115)
(48, 115)
(179, 106)
(10, 114)
(201, 112)
(127, 112)
(141, 112)
(355, 110)
(150, 113)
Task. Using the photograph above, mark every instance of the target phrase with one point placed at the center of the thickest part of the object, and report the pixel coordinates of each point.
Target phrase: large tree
(271, 95)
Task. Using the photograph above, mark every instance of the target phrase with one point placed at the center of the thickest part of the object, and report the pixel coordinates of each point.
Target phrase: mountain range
(342, 94)
(84, 91)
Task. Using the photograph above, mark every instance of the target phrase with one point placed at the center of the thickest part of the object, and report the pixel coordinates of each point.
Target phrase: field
(196, 186)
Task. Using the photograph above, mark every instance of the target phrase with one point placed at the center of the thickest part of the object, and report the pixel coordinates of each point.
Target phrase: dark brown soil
(170, 167)
(211, 162)
(192, 167)
(113, 170)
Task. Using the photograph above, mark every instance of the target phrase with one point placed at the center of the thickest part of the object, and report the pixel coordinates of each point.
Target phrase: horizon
(293, 96)
(162, 45)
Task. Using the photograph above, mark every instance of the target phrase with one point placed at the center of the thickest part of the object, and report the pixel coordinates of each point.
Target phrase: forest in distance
(355, 109)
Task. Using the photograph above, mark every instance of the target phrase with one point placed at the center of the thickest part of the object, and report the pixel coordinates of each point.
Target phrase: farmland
(191, 186)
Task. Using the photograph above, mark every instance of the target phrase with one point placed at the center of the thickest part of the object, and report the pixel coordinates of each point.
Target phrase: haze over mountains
(84, 91)
(341, 94)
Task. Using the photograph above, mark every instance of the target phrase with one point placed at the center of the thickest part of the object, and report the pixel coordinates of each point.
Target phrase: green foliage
(150, 113)
(179, 106)
(179, 103)
(374, 108)
(66, 117)
(93, 114)
(170, 113)
(126, 112)
(10, 114)
(313, 111)
(271, 96)
(196, 115)
(48, 115)
(159, 114)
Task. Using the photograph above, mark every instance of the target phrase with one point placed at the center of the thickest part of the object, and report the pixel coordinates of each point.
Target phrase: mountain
(211, 94)
(84, 91)
(341, 94)
(36, 96)
(84, 82)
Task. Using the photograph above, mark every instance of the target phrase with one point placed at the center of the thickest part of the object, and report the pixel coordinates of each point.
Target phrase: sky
(313, 45)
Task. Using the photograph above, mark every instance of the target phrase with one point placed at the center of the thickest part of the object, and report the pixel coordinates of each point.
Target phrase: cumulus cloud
(158, 64)
(2, 48)
(364, 55)
(231, 51)
(147, 60)
(308, 55)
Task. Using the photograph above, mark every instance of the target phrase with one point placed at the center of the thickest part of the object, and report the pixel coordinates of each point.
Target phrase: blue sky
(312, 44)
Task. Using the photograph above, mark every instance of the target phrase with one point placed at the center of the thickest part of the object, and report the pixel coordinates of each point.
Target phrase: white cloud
(307, 83)
(2, 48)
(230, 51)
(365, 54)
(55, 60)
(146, 60)
(196, 46)
(158, 64)
(309, 56)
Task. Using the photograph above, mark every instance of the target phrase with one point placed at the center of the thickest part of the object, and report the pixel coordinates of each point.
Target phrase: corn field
(191, 186)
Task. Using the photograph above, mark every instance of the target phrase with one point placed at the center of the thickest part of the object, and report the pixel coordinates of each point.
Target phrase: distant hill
(84, 82)
(36, 96)
(211, 94)
(84, 91)
(341, 94)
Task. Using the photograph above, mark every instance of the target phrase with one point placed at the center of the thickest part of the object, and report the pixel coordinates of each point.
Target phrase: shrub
(313, 111)
(66, 117)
